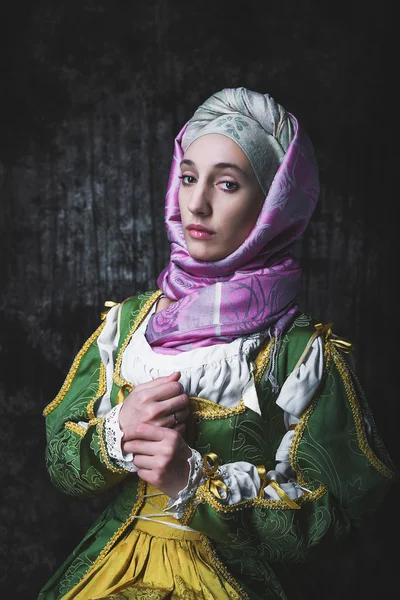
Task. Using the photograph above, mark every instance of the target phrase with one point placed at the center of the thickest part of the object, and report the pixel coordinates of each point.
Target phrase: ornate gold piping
(209, 410)
(71, 373)
(215, 560)
(203, 495)
(71, 426)
(142, 314)
(262, 360)
(357, 414)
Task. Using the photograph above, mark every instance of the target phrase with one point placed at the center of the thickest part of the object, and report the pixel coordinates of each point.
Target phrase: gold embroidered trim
(220, 567)
(208, 410)
(71, 426)
(104, 454)
(121, 530)
(100, 391)
(141, 316)
(262, 360)
(203, 495)
(71, 373)
(357, 414)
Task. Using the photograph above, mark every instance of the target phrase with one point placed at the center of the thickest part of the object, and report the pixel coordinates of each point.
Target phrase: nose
(199, 203)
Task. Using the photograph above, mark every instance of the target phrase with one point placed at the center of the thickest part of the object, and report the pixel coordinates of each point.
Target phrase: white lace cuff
(195, 476)
(113, 436)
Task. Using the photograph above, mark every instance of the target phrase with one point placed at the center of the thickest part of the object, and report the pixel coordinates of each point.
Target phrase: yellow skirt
(153, 561)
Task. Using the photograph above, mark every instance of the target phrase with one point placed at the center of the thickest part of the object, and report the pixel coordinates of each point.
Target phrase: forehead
(216, 148)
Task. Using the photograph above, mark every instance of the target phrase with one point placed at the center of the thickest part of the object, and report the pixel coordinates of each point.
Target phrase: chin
(206, 256)
(204, 251)
(200, 255)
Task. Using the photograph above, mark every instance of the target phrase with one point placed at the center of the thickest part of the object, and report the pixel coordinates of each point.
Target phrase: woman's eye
(229, 186)
(187, 179)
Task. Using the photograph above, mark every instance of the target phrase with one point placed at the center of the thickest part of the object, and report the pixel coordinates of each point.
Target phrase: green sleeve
(76, 455)
(345, 469)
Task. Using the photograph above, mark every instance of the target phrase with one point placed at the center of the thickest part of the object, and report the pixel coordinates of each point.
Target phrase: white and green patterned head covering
(259, 125)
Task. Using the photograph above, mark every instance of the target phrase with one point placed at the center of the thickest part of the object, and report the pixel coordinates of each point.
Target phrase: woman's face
(219, 197)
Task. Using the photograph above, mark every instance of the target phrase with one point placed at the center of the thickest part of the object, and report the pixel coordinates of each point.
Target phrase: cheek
(181, 204)
(242, 222)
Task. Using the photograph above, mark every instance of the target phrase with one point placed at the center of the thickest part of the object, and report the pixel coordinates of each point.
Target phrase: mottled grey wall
(92, 96)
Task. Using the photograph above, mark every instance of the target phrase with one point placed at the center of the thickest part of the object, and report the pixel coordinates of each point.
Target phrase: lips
(197, 227)
(199, 232)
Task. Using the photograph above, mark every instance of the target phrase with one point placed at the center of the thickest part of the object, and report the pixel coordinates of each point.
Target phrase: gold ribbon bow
(263, 476)
(214, 483)
(126, 387)
(108, 304)
(341, 343)
(282, 495)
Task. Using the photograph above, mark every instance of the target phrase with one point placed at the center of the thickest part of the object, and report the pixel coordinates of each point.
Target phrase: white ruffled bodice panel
(221, 373)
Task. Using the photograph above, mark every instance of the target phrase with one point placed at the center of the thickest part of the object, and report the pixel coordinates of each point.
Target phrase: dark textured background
(92, 95)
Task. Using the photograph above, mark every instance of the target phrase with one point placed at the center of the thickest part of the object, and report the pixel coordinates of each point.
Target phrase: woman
(232, 422)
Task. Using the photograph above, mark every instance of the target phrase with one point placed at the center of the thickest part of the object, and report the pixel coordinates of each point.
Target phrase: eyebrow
(220, 165)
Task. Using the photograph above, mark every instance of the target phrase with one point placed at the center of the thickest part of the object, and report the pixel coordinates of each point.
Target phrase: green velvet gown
(345, 469)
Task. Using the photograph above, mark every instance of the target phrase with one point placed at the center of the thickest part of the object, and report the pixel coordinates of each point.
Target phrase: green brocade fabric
(346, 471)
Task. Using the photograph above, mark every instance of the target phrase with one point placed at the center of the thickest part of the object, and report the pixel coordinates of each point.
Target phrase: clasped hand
(152, 421)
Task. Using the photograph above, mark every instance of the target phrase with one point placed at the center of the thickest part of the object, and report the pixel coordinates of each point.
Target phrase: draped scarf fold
(254, 289)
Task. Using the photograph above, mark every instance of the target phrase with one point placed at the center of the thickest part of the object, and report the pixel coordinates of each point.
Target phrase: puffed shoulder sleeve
(77, 458)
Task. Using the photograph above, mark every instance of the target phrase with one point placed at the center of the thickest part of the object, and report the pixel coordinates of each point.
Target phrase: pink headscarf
(254, 289)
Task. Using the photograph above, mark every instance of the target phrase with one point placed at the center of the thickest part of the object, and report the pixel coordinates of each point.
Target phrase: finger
(174, 418)
(161, 415)
(162, 403)
(181, 414)
(146, 447)
(164, 391)
(180, 428)
(142, 461)
(159, 381)
(173, 404)
(156, 393)
(147, 431)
